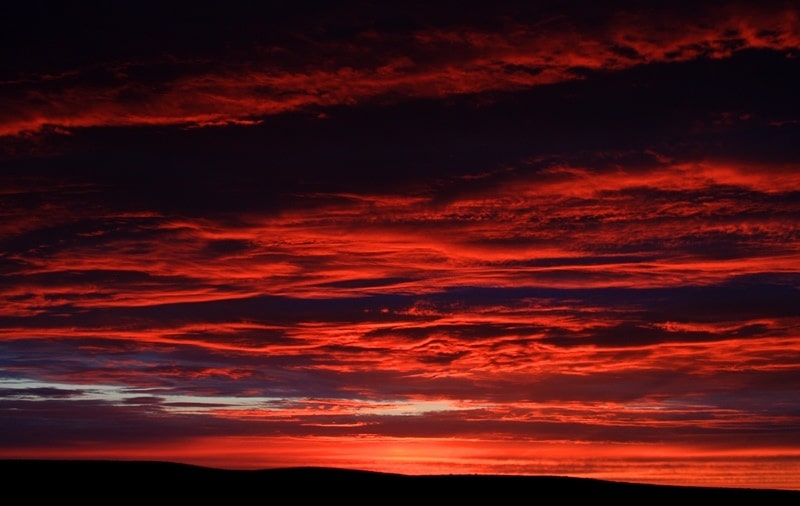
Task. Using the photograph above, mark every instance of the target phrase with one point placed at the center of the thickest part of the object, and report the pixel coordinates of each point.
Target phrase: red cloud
(437, 63)
(630, 225)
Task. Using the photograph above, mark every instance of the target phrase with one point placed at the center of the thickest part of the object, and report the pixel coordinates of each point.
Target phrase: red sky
(523, 239)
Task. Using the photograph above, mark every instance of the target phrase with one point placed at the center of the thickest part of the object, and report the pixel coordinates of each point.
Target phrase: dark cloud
(39, 392)
(656, 108)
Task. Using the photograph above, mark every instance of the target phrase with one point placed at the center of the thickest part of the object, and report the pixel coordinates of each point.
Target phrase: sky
(415, 237)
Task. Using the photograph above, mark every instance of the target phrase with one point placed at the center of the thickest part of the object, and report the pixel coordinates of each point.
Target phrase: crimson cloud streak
(523, 240)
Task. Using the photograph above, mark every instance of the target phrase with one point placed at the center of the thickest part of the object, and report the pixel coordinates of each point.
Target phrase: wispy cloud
(590, 305)
(427, 63)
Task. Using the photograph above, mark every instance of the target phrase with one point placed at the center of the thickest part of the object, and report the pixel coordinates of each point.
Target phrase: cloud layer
(432, 62)
(546, 246)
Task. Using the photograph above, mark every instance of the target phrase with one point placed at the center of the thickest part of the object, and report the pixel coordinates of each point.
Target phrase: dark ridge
(96, 480)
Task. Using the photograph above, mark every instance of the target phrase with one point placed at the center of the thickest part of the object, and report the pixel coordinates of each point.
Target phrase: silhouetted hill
(125, 481)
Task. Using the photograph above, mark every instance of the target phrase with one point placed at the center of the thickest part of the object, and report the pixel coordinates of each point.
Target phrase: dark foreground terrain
(120, 482)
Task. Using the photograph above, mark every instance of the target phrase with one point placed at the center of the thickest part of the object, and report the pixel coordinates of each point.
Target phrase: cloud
(537, 277)
(431, 62)
(704, 223)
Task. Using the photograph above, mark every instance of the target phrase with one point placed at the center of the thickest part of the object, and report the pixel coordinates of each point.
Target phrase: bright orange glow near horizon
(525, 239)
(655, 463)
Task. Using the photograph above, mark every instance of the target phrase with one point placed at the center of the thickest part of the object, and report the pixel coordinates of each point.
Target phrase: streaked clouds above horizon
(524, 239)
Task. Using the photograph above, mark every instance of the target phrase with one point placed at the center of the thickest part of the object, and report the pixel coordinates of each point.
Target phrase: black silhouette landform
(137, 482)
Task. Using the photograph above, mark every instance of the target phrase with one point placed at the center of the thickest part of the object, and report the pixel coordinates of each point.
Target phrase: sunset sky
(519, 238)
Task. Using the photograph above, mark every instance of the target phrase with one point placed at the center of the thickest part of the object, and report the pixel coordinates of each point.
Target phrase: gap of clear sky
(430, 237)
